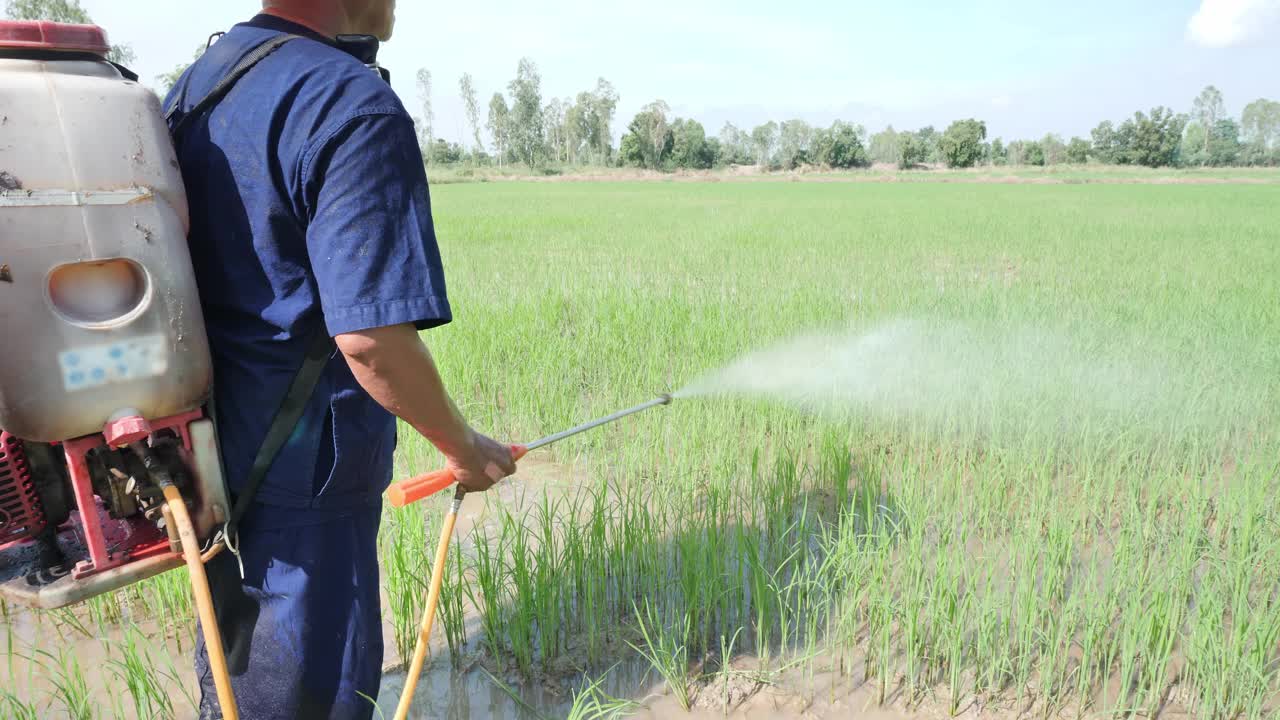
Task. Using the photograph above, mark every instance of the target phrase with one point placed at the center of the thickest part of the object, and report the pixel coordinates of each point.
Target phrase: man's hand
(488, 462)
(395, 368)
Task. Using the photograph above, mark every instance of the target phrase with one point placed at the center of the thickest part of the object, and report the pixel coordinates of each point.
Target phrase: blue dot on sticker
(122, 369)
(98, 373)
(116, 353)
(76, 377)
(71, 359)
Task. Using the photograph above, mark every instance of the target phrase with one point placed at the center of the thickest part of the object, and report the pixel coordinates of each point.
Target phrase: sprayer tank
(99, 311)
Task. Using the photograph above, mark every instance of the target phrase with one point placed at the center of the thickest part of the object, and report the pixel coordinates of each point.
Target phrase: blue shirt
(309, 206)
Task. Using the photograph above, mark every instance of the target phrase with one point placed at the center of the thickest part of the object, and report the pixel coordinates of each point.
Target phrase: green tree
(929, 140)
(735, 146)
(689, 147)
(1207, 109)
(999, 154)
(961, 143)
(554, 121)
(1104, 143)
(1193, 150)
(526, 131)
(603, 105)
(795, 141)
(1224, 143)
(1123, 142)
(1055, 151)
(500, 126)
(1156, 137)
(171, 78)
(63, 11)
(651, 137)
(1033, 153)
(883, 146)
(440, 152)
(1078, 151)
(912, 151)
(467, 89)
(764, 142)
(847, 149)
(1260, 130)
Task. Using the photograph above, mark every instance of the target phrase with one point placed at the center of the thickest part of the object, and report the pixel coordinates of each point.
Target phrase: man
(309, 214)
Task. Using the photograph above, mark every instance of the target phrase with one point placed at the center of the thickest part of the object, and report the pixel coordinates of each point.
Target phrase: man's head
(339, 17)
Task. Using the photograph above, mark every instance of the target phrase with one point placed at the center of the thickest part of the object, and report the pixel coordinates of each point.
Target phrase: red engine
(85, 516)
(21, 515)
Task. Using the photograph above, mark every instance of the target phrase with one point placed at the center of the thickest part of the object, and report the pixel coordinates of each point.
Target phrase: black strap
(223, 87)
(282, 425)
(321, 346)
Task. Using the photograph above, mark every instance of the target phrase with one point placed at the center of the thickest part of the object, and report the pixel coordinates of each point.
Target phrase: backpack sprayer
(109, 465)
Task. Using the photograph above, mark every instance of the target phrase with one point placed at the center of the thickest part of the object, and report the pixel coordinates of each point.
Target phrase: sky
(1025, 67)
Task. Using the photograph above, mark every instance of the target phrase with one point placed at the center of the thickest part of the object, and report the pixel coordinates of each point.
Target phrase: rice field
(1058, 499)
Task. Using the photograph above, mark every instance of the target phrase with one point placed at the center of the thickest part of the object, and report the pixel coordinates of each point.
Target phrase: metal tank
(99, 313)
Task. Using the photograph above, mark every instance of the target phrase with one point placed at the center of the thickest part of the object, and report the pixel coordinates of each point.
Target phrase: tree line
(578, 130)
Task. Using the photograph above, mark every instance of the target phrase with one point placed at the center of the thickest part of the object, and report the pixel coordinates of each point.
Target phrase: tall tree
(500, 126)
(912, 151)
(1224, 143)
(764, 140)
(1104, 143)
(928, 138)
(651, 138)
(467, 88)
(577, 126)
(1208, 109)
(553, 122)
(63, 11)
(735, 146)
(961, 144)
(428, 116)
(528, 136)
(1260, 128)
(604, 103)
(999, 153)
(689, 147)
(1156, 137)
(840, 146)
(1055, 151)
(794, 140)
(884, 146)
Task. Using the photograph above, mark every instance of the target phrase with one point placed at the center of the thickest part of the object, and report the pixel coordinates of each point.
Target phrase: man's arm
(394, 366)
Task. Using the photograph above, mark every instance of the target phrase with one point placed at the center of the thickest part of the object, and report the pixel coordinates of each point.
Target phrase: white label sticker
(92, 366)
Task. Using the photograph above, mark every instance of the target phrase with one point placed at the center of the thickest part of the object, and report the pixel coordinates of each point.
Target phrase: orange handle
(408, 492)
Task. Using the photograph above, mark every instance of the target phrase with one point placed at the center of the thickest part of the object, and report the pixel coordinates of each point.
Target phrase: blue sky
(1027, 68)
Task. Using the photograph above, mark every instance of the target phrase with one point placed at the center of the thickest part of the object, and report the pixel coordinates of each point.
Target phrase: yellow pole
(429, 614)
(204, 602)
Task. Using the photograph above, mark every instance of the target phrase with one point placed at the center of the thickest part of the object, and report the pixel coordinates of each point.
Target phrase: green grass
(1063, 549)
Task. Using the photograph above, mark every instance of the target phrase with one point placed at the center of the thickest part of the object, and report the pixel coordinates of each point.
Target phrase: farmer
(311, 220)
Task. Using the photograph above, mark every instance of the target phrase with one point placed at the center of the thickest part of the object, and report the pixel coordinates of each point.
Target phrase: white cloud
(1226, 23)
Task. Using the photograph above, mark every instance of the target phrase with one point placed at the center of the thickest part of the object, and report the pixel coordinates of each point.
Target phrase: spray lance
(410, 491)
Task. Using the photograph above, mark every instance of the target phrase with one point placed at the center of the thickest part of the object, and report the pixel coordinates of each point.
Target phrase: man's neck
(328, 24)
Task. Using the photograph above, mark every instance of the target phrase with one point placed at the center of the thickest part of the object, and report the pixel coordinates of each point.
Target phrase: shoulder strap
(320, 347)
(219, 91)
(285, 421)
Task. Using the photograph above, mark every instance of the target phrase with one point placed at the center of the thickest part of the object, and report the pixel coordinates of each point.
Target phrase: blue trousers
(302, 631)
